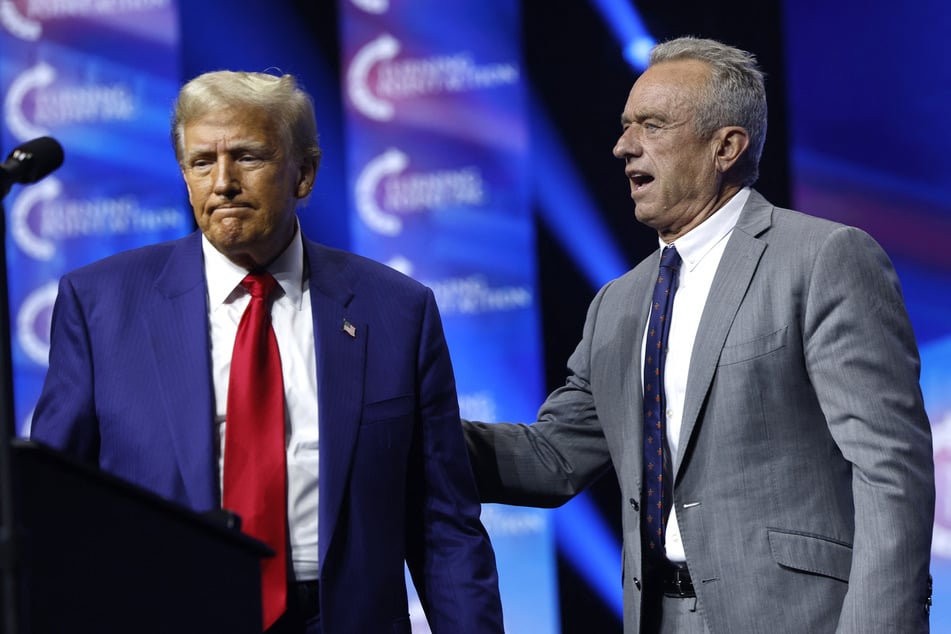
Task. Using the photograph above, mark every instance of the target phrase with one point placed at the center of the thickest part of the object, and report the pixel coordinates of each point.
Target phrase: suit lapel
(630, 344)
(179, 349)
(341, 339)
(734, 274)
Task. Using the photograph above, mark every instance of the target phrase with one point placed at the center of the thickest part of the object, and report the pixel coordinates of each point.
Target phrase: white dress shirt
(293, 325)
(701, 250)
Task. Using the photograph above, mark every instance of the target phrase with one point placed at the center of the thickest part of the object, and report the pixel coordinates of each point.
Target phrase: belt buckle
(677, 582)
(680, 583)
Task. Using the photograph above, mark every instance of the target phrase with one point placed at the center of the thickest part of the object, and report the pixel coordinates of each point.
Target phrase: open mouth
(640, 179)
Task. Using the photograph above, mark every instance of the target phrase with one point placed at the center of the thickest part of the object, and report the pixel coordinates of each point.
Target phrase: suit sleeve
(448, 553)
(65, 416)
(547, 463)
(863, 362)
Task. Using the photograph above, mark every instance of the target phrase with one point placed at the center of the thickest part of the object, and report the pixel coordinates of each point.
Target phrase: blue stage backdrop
(870, 89)
(436, 139)
(437, 147)
(100, 78)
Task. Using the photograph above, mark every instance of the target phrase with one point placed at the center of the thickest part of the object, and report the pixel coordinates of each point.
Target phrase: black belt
(675, 581)
(308, 598)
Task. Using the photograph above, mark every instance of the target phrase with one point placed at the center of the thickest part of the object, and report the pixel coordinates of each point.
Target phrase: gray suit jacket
(804, 487)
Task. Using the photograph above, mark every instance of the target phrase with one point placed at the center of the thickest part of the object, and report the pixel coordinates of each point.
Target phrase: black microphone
(30, 162)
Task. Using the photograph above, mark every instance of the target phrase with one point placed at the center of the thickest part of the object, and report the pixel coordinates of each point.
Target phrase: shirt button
(634, 504)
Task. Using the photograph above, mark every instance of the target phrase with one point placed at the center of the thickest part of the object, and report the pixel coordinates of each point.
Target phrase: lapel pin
(349, 328)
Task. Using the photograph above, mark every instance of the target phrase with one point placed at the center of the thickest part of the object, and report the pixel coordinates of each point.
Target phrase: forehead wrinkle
(664, 103)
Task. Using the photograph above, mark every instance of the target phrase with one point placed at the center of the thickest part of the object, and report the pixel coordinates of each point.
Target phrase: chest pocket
(754, 348)
(389, 409)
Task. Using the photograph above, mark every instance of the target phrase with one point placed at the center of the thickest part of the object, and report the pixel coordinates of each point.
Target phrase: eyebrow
(258, 147)
(643, 116)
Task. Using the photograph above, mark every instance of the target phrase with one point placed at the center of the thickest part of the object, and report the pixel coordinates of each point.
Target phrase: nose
(225, 179)
(627, 144)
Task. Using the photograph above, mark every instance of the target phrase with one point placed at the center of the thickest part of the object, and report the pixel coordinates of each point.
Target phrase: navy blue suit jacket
(129, 389)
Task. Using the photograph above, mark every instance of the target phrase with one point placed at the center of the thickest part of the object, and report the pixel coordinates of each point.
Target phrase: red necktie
(255, 469)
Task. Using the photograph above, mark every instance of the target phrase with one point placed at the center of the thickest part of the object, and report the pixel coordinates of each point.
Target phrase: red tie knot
(259, 284)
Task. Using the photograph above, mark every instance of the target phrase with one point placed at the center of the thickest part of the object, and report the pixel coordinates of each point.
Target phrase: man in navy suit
(376, 466)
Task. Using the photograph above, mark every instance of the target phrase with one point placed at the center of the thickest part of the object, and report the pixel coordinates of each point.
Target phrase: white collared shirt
(701, 250)
(293, 324)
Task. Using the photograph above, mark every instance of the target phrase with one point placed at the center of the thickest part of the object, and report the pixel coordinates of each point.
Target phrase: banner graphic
(99, 77)
(437, 158)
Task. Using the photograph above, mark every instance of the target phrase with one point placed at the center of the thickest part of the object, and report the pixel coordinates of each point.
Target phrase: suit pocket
(389, 409)
(758, 347)
(810, 553)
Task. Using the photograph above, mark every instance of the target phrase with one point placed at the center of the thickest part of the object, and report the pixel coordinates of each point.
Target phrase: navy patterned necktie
(657, 463)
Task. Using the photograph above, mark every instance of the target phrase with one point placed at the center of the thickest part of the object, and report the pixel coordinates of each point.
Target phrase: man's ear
(306, 177)
(731, 142)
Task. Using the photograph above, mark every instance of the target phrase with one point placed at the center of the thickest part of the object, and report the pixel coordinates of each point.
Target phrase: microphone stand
(9, 528)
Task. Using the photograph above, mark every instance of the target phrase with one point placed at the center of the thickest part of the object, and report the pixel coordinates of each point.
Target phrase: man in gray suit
(785, 390)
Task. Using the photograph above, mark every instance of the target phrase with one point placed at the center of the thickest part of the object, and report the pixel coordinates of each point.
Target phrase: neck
(723, 196)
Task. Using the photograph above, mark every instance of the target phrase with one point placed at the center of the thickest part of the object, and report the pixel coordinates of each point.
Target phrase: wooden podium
(96, 554)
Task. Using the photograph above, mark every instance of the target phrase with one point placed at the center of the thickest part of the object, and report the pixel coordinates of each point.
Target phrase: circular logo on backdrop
(382, 49)
(33, 323)
(387, 164)
(27, 234)
(28, 82)
(18, 24)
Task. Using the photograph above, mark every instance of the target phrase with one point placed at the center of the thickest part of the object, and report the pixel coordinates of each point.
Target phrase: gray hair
(735, 95)
(280, 96)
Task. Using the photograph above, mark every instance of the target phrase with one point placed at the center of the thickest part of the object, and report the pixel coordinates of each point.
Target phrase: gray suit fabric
(804, 486)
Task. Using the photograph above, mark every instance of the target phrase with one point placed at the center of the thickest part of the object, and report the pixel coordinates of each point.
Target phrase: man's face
(673, 173)
(242, 184)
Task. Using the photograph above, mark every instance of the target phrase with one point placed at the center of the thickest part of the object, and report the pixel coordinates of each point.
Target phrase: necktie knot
(259, 285)
(669, 258)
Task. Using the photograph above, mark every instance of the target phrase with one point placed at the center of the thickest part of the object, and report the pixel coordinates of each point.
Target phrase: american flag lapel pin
(349, 328)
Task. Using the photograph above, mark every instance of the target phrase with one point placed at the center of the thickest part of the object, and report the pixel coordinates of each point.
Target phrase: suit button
(634, 504)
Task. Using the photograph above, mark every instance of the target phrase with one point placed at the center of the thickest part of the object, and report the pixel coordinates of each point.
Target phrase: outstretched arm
(546, 463)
